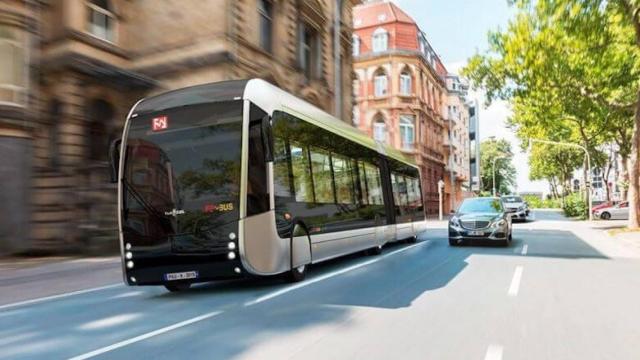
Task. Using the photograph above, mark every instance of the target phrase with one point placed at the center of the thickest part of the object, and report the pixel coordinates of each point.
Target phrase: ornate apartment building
(71, 69)
(457, 181)
(401, 97)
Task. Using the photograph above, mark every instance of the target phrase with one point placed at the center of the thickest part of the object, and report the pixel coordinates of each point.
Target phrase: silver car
(518, 208)
(616, 212)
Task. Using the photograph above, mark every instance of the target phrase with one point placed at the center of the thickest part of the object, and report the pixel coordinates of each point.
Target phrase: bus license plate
(181, 275)
(476, 233)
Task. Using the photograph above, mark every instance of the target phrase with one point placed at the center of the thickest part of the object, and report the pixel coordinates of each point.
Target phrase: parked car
(481, 218)
(604, 204)
(517, 206)
(620, 212)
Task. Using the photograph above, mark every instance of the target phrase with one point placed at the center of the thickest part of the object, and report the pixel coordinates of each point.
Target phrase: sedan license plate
(181, 275)
(476, 233)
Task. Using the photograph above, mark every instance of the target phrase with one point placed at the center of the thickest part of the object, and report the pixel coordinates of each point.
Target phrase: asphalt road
(561, 291)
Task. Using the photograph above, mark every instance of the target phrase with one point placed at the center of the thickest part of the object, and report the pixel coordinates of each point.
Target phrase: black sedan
(483, 218)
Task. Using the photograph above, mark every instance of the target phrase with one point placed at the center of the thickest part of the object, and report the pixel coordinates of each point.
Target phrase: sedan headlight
(454, 221)
(499, 223)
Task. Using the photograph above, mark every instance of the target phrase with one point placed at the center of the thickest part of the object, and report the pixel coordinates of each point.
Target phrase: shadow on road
(394, 282)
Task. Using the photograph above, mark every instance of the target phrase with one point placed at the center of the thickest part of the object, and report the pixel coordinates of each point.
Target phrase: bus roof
(270, 98)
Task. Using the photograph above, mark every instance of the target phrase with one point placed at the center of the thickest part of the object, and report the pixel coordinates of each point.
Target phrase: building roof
(378, 12)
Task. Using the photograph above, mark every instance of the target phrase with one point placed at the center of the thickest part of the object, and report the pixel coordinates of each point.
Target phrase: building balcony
(450, 141)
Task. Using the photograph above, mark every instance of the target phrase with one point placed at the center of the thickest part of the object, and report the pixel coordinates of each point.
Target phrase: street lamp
(588, 180)
(494, 171)
(440, 188)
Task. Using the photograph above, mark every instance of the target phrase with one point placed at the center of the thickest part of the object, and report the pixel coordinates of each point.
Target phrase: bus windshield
(185, 164)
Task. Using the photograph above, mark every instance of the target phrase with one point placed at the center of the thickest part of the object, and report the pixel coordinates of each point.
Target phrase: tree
(505, 172)
(570, 70)
(556, 165)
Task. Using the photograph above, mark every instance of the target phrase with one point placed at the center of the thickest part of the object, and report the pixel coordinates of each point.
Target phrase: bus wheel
(178, 287)
(375, 250)
(298, 274)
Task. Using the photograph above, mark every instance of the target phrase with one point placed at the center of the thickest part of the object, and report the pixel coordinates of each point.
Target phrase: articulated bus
(240, 178)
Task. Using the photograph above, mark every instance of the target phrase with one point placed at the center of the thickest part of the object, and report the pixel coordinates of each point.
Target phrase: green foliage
(575, 206)
(505, 171)
(536, 203)
(571, 71)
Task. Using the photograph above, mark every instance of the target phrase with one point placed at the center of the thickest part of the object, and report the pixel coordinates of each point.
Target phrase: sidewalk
(29, 278)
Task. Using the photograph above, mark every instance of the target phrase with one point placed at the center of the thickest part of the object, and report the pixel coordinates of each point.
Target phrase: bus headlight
(231, 255)
(231, 246)
(128, 246)
(232, 236)
(128, 255)
(130, 264)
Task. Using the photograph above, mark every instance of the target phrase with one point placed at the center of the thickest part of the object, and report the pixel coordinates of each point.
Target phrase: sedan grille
(475, 224)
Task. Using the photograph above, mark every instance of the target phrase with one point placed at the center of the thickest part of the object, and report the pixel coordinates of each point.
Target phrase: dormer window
(101, 19)
(380, 40)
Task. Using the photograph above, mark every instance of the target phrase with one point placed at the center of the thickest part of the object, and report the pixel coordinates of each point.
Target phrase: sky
(457, 30)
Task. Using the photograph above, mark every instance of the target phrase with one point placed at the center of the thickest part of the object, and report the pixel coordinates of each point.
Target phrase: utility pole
(587, 177)
(440, 205)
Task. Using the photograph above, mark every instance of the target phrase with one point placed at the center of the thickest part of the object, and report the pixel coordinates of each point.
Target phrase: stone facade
(457, 141)
(414, 98)
(86, 62)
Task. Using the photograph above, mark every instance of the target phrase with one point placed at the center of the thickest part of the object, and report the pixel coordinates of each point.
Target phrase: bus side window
(257, 189)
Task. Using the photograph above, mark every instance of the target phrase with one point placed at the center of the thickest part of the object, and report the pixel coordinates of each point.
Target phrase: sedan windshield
(487, 205)
(512, 199)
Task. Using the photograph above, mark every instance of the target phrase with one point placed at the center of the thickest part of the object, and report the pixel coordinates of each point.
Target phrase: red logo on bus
(160, 123)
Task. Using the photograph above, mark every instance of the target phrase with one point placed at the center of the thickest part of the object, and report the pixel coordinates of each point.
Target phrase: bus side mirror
(267, 138)
(114, 159)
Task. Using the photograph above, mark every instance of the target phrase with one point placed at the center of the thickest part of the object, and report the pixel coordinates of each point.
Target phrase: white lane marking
(327, 276)
(127, 294)
(253, 302)
(59, 296)
(494, 352)
(525, 248)
(146, 336)
(515, 281)
(109, 321)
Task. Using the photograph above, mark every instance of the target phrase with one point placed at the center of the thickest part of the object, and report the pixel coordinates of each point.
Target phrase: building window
(101, 20)
(405, 83)
(309, 51)
(13, 71)
(265, 11)
(380, 129)
(380, 40)
(356, 45)
(380, 84)
(101, 115)
(407, 131)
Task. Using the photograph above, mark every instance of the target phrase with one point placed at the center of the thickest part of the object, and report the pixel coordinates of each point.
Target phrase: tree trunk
(605, 178)
(634, 171)
(623, 179)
